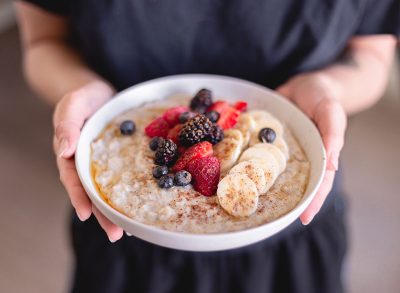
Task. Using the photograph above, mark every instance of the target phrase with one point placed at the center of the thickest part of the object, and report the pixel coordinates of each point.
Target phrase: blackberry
(216, 135)
(267, 135)
(201, 101)
(195, 130)
(166, 181)
(127, 127)
(159, 171)
(182, 178)
(155, 142)
(166, 153)
(213, 116)
(186, 116)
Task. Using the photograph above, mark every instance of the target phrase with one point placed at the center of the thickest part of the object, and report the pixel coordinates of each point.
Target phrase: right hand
(69, 116)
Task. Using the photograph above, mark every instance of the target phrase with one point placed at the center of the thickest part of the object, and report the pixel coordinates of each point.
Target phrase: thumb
(67, 135)
(285, 90)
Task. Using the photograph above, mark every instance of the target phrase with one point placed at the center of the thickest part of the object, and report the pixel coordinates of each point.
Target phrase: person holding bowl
(330, 58)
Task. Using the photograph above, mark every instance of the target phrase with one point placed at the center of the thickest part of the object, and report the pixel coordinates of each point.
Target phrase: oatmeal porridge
(249, 190)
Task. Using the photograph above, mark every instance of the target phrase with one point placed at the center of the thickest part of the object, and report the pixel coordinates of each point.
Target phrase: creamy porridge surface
(122, 170)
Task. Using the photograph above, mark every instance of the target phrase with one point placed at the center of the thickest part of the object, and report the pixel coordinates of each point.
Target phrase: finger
(331, 121)
(68, 119)
(316, 204)
(73, 186)
(114, 232)
(285, 90)
(72, 111)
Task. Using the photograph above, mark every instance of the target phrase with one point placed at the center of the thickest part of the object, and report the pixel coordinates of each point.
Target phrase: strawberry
(158, 127)
(199, 150)
(172, 115)
(181, 149)
(173, 133)
(218, 106)
(228, 118)
(205, 173)
(240, 106)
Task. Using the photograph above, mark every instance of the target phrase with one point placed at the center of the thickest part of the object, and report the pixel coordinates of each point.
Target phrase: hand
(318, 96)
(69, 116)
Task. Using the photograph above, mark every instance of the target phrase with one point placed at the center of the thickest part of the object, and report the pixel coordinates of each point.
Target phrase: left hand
(318, 96)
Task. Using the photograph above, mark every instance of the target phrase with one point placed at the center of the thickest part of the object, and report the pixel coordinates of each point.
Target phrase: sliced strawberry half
(218, 106)
(173, 133)
(240, 106)
(172, 115)
(228, 118)
(199, 150)
(205, 173)
(158, 127)
(228, 115)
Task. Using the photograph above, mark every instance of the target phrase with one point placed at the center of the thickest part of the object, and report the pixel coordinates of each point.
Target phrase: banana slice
(278, 154)
(246, 126)
(227, 152)
(238, 195)
(267, 161)
(234, 134)
(253, 170)
(282, 145)
(271, 171)
(260, 114)
(255, 153)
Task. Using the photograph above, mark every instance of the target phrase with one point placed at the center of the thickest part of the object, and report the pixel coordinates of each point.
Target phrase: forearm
(51, 66)
(362, 73)
(53, 69)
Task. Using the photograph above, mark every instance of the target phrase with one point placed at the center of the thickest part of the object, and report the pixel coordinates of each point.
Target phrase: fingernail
(334, 161)
(306, 222)
(111, 240)
(81, 218)
(63, 147)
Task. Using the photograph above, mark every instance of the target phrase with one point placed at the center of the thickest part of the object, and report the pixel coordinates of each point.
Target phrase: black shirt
(263, 41)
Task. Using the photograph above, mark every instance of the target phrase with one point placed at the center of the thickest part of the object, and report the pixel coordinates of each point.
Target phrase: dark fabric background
(263, 41)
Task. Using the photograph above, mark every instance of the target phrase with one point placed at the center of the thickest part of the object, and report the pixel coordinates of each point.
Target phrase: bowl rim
(162, 232)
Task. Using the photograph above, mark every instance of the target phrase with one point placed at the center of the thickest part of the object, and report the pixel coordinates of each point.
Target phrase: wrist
(94, 89)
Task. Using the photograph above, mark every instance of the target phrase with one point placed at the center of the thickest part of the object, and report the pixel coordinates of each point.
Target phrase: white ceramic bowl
(258, 97)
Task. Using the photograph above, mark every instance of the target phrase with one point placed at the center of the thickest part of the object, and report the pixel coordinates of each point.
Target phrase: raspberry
(195, 130)
(240, 106)
(166, 153)
(216, 135)
(158, 127)
(228, 115)
(174, 133)
(202, 149)
(201, 101)
(205, 174)
(172, 115)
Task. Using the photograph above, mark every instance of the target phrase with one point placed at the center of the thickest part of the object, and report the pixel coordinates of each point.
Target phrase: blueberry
(155, 142)
(127, 127)
(267, 135)
(185, 116)
(159, 171)
(166, 181)
(213, 116)
(182, 178)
